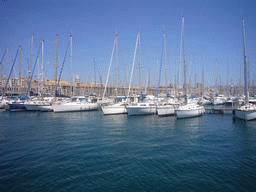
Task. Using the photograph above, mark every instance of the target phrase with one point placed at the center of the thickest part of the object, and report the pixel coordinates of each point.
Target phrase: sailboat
(115, 108)
(148, 105)
(165, 108)
(217, 98)
(187, 109)
(248, 110)
(33, 103)
(76, 103)
(16, 104)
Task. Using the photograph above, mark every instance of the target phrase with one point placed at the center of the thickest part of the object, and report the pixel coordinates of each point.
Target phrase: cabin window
(82, 99)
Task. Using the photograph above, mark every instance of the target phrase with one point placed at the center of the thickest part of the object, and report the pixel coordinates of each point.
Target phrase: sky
(213, 37)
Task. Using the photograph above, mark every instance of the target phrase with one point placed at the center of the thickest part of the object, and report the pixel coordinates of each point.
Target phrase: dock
(228, 111)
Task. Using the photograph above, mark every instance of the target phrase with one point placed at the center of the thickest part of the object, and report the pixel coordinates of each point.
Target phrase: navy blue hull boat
(17, 106)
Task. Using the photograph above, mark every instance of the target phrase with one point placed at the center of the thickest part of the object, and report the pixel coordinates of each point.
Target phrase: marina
(47, 151)
(127, 96)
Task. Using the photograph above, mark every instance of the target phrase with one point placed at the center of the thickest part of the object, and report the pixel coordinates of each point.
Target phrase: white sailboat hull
(141, 110)
(202, 109)
(189, 110)
(2, 104)
(45, 108)
(114, 109)
(188, 113)
(31, 107)
(218, 102)
(205, 102)
(246, 112)
(75, 107)
(165, 110)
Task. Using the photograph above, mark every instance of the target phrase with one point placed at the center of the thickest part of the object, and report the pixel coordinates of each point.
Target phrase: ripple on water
(92, 152)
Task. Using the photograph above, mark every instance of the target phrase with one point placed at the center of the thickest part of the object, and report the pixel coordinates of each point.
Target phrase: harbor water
(87, 151)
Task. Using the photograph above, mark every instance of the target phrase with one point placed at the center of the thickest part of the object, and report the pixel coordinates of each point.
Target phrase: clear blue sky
(213, 30)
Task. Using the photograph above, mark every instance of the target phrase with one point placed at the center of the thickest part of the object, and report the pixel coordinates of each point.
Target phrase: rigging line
(62, 67)
(109, 68)
(9, 74)
(2, 67)
(3, 56)
(15, 82)
(160, 71)
(166, 80)
(33, 69)
(99, 74)
(133, 64)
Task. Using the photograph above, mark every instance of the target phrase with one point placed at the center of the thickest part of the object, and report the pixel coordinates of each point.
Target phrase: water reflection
(194, 122)
(114, 120)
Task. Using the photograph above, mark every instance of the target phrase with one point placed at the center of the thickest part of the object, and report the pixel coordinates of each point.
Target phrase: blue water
(88, 151)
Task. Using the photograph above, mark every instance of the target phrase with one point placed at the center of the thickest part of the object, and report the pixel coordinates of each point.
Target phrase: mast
(2, 71)
(32, 72)
(126, 80)
(146, 85)
(38, 68)
(31, 54)
(148, 81)
(9, 74)
(133, 63)
(183, 35)
(158, 87)
(216, 81)
(248, 76)
(56, 62)
(139, 64)
(71, 76)
(227, 75)
(175, 86)
(203, 78)
(117, 65)
(7, 61)
(42, 66)
(245, 66)
(240, 79)
(94, 64)
(148, 77)
(165, 66)
(19, 91)
(189, 78)
(1, 76)
(195, 90)
(109, 68)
